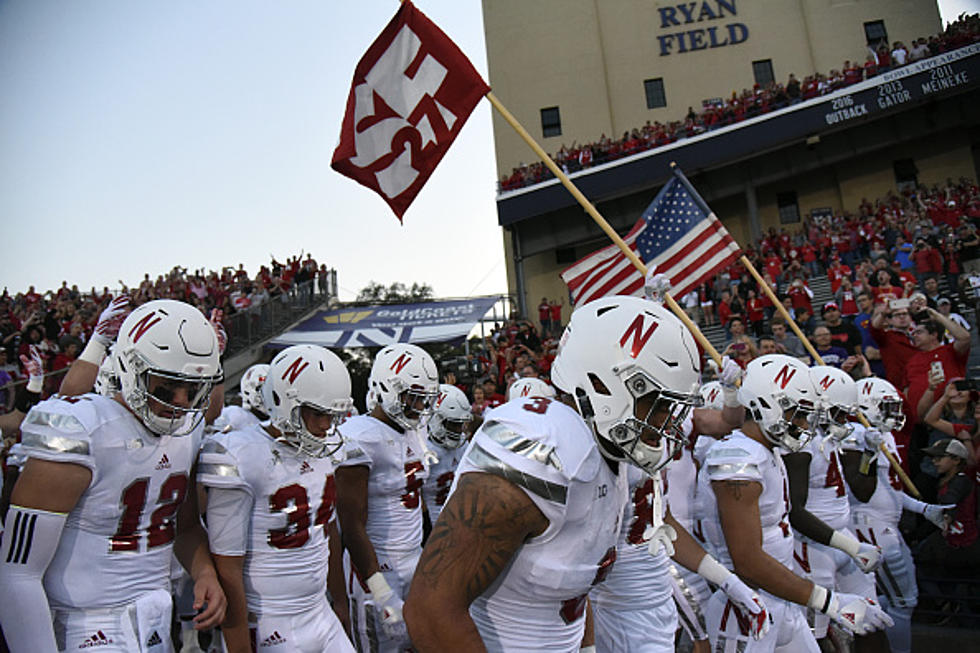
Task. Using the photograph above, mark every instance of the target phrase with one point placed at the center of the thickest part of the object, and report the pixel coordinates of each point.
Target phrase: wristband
(713, 571)
(378, 585)
(94, 352)
(34, 384)
(819, 599)
(845, 543)
(587, 649)
(730, 397)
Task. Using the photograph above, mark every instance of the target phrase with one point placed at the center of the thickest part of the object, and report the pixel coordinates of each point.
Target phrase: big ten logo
(396, 116)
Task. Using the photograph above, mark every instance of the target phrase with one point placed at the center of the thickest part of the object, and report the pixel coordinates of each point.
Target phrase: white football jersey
(397, 473)
(293, 498)
(885, 505)
(235, 418)
(739, 457)
(545, 448)
(680, 479)
(638, 580)
(826, 495)
(117, 540)
(435, 491)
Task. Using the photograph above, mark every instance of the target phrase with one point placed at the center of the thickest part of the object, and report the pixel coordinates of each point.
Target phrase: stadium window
(762, 70)
(654, 89)
(906, 174)
(565, 255)
(550, 122)
(789, 209)
(875, 33)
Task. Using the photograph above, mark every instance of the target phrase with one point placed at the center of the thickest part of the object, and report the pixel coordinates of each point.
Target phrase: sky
(135, 136)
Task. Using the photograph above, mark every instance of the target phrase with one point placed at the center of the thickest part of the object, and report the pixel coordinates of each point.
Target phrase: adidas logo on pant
(274, 639)
(154, 640)
(98, 639)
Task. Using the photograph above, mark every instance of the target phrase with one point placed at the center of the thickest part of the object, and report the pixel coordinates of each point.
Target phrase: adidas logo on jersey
(305, 467)
(409, 452)
(274, 639)
(164, 463)
(154, 639)
(98, 639)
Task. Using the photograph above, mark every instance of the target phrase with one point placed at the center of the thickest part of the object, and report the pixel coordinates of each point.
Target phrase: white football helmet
(106, 381)
(838, 400)
(530, 386)
(622, 354)
(251, 388)
(164, 346)
(881, 404)
(405, 382)
(313, 377)
(712, 395)
(447, 426)
(774, 385)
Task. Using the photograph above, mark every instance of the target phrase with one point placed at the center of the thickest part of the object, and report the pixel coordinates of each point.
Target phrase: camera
(921, 316)
(966, 384)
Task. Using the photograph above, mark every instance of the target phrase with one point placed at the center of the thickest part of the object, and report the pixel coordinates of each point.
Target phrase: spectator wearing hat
(843, 334)
(955, 549)
(945, 307)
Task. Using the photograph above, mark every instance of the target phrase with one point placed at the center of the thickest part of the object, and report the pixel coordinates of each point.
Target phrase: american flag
(678, 233)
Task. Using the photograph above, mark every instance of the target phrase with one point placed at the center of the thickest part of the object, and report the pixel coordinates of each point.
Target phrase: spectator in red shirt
(927, 259)
(836, 272)
(544, 316)
(800, 295)
(928, 340)
(555, 310)
(890, 330)
(955, 549)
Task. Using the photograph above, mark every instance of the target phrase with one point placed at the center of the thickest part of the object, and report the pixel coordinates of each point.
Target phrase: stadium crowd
(747, 104)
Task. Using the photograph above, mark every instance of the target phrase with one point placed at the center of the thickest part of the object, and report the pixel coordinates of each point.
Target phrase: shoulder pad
(735, 457)
(218, 463)
(59, 429)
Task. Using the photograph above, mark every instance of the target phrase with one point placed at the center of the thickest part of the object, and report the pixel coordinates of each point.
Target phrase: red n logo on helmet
(401, 362)
(826, 382)
(784, 377)
(294, 369)
(866, 388)
(440, 399)
(639, 338)
(143, 326)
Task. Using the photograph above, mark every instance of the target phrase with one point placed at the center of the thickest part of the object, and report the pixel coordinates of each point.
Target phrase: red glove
(111, 319)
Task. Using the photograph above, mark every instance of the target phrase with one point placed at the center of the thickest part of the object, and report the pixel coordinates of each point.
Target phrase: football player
(379, 494)
(877, 501)
(253, 410)
(271, 496)
(826, 551)
(745, 497)
(534, 517)
(447, 432)
(104, 497)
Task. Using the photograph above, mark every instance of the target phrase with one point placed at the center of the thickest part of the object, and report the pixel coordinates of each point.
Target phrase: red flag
(412, 91)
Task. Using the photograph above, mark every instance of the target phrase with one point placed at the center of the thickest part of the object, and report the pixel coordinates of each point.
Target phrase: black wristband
(826, 603)
(26, 399)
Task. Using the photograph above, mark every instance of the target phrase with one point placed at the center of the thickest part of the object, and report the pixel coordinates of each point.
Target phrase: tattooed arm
(738, 508)
(484, 523)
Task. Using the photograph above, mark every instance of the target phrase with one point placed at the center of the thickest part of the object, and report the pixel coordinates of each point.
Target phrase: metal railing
(258, 323)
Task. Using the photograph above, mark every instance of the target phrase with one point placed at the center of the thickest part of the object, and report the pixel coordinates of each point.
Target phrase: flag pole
(799, 333)
(599, 220)
(813, 352)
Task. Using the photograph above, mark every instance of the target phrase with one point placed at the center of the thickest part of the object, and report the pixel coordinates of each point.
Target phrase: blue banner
(379, 325)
